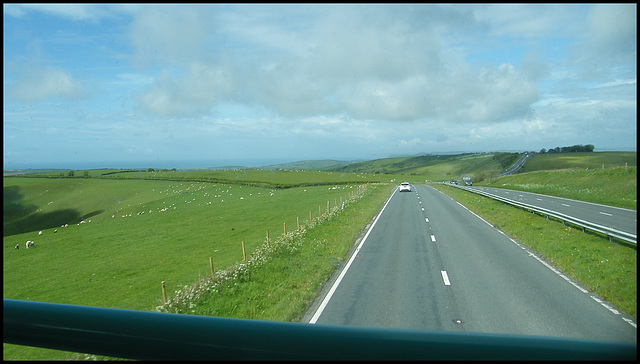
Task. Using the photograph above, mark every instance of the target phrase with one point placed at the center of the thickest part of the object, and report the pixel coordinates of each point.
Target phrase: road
(429, 263)
(516, 166)
(614, 217)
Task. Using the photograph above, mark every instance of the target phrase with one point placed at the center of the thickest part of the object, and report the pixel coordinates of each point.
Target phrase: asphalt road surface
(429, 263)
(614, 217)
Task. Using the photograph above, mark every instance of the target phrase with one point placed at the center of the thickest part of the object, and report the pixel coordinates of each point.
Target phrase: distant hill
(424, 163)
(310, 165)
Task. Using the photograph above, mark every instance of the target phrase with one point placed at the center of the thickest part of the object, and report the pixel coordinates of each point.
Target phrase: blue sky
(158, 85)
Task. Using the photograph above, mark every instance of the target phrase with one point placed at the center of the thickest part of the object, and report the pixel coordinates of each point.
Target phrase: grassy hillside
(483, 166)
(137, 233)
(309, 165)
(437, 167)
(247, 177)
(594, 160)
(124, 237)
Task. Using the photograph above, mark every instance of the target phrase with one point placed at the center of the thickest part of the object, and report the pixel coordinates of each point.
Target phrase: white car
(405, 186)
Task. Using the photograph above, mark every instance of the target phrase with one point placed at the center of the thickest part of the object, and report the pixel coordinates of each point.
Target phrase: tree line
(572, 149)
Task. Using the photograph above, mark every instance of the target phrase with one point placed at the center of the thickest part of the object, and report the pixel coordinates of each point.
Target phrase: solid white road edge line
(327, 298)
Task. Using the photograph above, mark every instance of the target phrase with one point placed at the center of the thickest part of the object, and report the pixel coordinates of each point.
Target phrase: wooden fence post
(297, 223)
(309, 217)
(211, 264)
(244, 255)
(267, 237)
(284, 228)
(164, 294)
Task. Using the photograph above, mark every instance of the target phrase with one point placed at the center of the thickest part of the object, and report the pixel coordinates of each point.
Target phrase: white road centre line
(433, 238)
(564, 204)
(426, 219)
(604, 213)
(445, 278)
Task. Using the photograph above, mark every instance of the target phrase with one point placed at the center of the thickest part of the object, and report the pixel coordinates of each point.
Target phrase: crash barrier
(164, 336)
(609, 232)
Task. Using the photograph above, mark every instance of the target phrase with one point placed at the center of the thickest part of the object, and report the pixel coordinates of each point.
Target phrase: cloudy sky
(91, 86)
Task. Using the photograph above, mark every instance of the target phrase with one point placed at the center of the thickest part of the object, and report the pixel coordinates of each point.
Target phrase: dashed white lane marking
(433, 238)
(608, 307)
(604, 213)
(445, 278)
(426, 219)
(553, 269)
(630, 321)
(564, 204)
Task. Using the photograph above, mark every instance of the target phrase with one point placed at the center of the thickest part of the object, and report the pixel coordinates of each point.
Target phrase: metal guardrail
(610, 232)
(163, 336)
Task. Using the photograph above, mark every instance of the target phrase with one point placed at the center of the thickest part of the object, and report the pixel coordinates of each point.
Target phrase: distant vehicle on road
(405, 186)
(467, 181)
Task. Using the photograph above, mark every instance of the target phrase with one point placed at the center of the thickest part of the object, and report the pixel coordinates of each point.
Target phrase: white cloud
(71, 11)
(410, 143)
(373, 66)
(354, 79)
(530, 21)
(40, 83)
(171, 35)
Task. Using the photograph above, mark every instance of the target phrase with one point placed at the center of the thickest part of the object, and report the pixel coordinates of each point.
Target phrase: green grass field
(142, 228)
(138, 233)
(124, 237)
(594, 160)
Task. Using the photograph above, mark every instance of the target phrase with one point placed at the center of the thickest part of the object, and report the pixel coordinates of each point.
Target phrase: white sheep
(29, 244)
(39, 233)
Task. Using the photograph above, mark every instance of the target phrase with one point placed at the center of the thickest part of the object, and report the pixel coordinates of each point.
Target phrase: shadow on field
(12, 205)
(42, 221)
(19, 217)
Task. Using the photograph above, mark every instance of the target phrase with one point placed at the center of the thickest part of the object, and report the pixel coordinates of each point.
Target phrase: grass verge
(298, 265)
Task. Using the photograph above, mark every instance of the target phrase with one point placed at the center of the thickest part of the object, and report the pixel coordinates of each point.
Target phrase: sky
(182, 86)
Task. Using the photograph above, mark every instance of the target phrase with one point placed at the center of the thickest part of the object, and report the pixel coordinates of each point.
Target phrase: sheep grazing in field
(39, 233)
(17, 246)
(29, 244)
